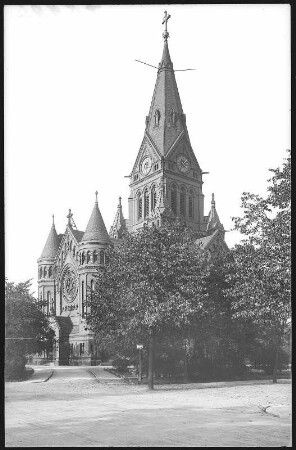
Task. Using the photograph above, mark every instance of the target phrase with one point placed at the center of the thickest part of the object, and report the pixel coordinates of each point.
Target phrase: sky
(75, 102)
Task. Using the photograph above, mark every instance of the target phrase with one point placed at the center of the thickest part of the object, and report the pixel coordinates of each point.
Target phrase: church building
(165, 180)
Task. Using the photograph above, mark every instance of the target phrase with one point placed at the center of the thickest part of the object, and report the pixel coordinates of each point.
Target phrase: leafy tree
(26, 328)
(260, 277)
(154, 284)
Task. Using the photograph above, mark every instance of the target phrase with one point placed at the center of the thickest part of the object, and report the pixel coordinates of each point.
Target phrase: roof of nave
(96, 229)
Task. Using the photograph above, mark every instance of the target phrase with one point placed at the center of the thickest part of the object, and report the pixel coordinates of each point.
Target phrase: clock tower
(166, 179)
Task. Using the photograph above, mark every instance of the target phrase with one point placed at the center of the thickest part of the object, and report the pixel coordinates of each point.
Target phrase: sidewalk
(40, 375)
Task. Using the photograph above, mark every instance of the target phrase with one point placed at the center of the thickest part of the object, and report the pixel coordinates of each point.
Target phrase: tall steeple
(52, 244)
(166, 120)
(96, 230)
(119, 224)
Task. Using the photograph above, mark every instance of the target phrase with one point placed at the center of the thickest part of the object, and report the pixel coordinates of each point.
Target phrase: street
(89, 407)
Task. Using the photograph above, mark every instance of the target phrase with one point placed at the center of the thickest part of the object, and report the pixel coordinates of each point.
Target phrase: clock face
(182, 163)
(146, 165)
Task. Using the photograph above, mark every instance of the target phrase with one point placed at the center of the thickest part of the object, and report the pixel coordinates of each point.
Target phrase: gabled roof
(52, 244)
(96, 230)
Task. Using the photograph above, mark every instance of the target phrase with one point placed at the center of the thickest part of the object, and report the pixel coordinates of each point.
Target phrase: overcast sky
(76, 102)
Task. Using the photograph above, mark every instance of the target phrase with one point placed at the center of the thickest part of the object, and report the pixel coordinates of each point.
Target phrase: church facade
(165, 180)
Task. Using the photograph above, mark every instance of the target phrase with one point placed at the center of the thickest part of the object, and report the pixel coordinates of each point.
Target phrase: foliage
(154, 282)
(27, 329)
(261, 272)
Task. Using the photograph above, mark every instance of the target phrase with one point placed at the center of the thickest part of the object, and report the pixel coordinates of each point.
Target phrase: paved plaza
(88, 407)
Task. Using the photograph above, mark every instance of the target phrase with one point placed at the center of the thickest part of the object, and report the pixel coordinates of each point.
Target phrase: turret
(119, 224)
(213, 222)
(46, 281)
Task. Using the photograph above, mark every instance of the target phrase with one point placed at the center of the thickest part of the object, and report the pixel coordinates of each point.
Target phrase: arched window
(88, 257)
(50, 272)
(153, 198)
(74, 249)
(174, 198)
(190, 205)
(102, 257)
(182, 202)
(40, 272)
(45, 272)
(95, 256)
(140, 206)
(82, 258)
(146, 203)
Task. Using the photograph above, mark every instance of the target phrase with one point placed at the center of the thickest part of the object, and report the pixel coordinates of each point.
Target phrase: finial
(119, 202)
(96, 196)
(165, 34)
(53, 219)
(69, 217)
(213, 199)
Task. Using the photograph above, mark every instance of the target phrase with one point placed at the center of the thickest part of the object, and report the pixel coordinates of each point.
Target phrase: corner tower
(166, 178)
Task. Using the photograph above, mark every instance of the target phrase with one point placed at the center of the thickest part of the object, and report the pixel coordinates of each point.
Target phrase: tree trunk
(185, 363)
(150, 360)
(276, 362)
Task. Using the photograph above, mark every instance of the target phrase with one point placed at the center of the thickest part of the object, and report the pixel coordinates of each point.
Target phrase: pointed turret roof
(213, 220)
(52, 243)
(119, 224)
(166, 120)
(96, 230)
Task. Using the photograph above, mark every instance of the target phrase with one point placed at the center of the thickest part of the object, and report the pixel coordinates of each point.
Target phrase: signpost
(140, 347)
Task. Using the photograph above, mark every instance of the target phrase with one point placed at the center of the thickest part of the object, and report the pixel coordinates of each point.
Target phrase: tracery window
(146, 203)
(182, 202)
(190, 205)
(153, 198)
(140, 206)
(174, 198)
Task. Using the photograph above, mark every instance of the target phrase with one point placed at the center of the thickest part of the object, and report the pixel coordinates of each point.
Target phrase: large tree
(154, 284)
(26, 328)
(260, 277)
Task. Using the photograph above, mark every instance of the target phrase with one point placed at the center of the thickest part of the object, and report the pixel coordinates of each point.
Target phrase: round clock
(146, 165)
(69, 284)
(182, 163)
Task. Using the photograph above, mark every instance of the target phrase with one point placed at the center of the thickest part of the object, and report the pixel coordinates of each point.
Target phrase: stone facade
(166, 180)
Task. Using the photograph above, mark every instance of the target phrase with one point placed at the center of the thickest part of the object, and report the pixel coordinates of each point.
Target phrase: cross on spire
(165, 34)
(70, 219)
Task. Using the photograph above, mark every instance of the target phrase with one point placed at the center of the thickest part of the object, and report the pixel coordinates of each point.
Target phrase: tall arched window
(40, 272)
(95, 256)
(190, 205)
(82, 258)
(74, 250)
(174, 198)
(140, 206)
(102, 257)
(146, 203)
(153, 198)
(45, 272)
(182, 202)
(88, 257)
(50, 272)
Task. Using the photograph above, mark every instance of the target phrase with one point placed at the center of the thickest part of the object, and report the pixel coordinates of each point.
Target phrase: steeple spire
(96, 230)
(213, 220)
(119, 224)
